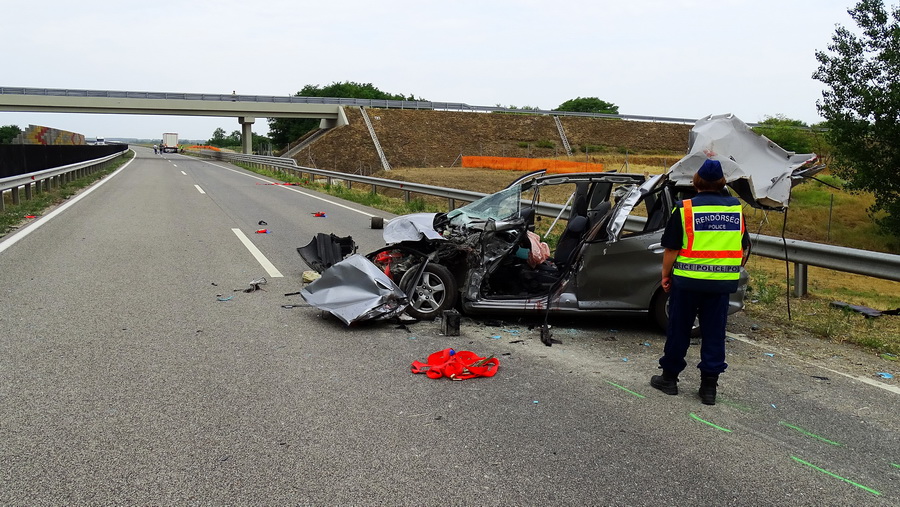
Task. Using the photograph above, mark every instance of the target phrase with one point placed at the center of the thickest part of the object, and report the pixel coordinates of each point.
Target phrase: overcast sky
(674, 58)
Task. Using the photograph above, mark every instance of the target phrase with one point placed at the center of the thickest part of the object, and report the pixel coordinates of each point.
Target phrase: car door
(620, 265)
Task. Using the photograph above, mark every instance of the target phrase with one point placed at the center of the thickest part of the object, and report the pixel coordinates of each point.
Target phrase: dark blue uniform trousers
(712, 310)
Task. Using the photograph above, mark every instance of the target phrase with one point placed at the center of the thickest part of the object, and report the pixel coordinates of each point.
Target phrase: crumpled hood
(760, 171)
(355, 290)
(410, 228)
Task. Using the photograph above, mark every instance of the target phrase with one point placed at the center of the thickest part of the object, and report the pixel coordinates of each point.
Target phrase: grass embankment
(812, 217)
(14, 214)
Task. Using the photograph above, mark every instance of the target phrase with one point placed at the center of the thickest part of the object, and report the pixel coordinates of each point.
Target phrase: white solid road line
(263, 261)
(12, 240)
(292, 189)
(871, 382)
(199, 189)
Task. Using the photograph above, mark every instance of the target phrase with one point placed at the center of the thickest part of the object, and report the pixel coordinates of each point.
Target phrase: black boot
(707, 391)
(667, 382)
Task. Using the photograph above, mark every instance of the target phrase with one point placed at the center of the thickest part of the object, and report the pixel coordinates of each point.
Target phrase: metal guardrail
(801, 253)
(49, 178)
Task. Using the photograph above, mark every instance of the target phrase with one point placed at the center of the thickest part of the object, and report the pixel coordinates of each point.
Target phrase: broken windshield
(500, 206)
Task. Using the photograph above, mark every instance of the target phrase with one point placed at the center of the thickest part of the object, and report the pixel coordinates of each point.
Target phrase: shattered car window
(503, 205)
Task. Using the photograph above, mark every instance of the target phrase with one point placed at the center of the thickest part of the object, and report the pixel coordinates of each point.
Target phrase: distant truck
(170, 142)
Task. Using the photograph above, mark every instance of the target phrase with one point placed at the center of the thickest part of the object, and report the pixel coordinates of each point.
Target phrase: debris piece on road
(769, 354)
(225, 299)
(883, 374)
(319, 214)
(817, 377)
(870, 313)
(254, 285)
(450, 323)
(262, 222)
(889, 357)
(263, 231)
(456, 365)
(293, 293)
(309, 276)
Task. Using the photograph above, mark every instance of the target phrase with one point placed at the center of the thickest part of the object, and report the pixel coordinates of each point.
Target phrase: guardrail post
(451, 203)
(406, 196)
(15, 195)
(801, 275)
(28, 195)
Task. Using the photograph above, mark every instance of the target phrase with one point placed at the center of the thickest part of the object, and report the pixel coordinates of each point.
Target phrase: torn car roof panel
(759, 170)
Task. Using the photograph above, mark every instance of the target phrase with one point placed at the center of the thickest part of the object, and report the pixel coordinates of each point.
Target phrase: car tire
(659, 311)
(431, 294)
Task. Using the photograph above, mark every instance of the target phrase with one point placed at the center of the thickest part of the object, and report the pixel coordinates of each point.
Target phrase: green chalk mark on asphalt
(693, 415)
(626, 390)
(895, 465)
(732, 404)
(801, 430)
(836, 476)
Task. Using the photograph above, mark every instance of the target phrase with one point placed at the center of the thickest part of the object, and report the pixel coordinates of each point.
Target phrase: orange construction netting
(552, 166)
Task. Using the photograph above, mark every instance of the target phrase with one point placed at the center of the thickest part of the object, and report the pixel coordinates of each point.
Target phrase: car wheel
(431, 294)
(659, 310)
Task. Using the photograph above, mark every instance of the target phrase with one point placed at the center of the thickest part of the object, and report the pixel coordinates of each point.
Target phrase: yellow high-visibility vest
(712, 242)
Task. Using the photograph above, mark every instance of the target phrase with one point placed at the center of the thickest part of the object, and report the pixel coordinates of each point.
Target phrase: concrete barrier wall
(16, 159)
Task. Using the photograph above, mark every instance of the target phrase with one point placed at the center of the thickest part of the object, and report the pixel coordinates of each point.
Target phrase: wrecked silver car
(486, 258)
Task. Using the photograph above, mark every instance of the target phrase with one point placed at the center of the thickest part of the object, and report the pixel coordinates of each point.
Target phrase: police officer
(705, 246)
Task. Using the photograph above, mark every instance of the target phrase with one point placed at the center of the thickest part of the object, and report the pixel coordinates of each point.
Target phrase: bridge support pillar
(247, 133)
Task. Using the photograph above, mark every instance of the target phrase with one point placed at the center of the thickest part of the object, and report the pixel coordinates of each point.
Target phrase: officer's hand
(667, 283)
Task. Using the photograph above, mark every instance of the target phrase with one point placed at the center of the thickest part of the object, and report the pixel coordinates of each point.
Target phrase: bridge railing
(802, 253)
(288, 99)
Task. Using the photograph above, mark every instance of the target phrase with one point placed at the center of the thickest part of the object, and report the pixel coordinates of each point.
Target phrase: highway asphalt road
(125, 380)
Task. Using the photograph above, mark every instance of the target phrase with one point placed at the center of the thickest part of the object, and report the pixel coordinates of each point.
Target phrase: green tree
(218, 138)
(511, 108)
(588, 105)
(261, 144)
(8, 133)
(283, 131)
(792, 135)
(861, 105)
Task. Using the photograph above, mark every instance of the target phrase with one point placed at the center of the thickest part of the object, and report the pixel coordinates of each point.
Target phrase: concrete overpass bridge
(246, 108)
